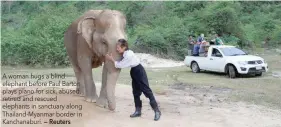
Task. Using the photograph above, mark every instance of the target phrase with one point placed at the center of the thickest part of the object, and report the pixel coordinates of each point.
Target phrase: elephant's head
(102, 29)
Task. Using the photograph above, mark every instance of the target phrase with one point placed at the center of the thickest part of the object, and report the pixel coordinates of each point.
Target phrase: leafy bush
(32, 32)
(39, 42)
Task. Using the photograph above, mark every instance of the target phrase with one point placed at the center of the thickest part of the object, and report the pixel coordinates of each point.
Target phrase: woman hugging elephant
(87, 40)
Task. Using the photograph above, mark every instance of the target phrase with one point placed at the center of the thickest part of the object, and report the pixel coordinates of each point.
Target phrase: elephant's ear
(86, 26)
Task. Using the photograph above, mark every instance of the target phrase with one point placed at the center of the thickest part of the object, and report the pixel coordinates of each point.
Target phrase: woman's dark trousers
(140, 85)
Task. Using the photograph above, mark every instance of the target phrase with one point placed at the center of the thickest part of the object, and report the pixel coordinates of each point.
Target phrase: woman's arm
(124, 63)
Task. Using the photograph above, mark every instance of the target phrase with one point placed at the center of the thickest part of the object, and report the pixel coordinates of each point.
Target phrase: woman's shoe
(156, 110)
(137, 113)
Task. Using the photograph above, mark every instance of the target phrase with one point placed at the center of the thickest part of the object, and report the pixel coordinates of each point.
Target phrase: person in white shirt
(139, 78)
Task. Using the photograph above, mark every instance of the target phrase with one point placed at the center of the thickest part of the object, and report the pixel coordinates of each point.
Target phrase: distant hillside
(32, 32)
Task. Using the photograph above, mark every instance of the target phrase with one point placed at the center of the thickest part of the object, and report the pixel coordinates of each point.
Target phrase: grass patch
(254, 90)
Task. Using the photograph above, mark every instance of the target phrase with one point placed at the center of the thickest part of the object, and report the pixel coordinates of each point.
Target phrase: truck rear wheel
(194, 67)
(231, 71)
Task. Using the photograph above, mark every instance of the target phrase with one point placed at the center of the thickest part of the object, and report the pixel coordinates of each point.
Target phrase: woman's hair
(123, 43)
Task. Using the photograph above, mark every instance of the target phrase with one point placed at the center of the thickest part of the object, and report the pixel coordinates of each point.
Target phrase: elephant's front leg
(102, 100)
(86, 67)
(80, 82)
(110, 88)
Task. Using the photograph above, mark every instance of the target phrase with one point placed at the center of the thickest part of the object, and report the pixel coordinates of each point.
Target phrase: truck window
(216, 53)
(232, 51)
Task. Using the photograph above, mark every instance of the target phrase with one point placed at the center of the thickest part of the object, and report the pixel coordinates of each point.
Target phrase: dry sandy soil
(181, 104)
(151, 61)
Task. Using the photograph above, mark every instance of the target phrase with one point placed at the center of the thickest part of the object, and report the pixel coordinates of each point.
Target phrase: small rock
(276, 74)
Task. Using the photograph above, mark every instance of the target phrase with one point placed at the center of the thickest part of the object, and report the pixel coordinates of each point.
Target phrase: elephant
(87, 40)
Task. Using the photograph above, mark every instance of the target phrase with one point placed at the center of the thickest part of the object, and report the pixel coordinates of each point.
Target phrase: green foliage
(40, 41)
(32, 31)
(230, 40)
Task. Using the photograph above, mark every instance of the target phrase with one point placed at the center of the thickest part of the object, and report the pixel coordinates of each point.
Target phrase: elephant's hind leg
(86, 67)
(102, 100)
(71, 49)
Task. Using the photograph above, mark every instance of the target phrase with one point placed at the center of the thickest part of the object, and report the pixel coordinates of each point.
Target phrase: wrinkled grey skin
(87, 40)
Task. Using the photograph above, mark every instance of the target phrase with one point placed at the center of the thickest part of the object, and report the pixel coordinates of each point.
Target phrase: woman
(139, 78)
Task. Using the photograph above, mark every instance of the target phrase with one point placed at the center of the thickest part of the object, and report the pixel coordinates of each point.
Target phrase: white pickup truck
(227, 59)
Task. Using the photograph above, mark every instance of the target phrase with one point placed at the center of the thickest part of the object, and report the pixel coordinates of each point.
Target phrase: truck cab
(227, 59)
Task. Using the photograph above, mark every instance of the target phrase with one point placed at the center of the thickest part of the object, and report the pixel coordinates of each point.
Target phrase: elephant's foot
(91, 99)
(79, 92)
(88, 99)
(102, 102)
(111, 106)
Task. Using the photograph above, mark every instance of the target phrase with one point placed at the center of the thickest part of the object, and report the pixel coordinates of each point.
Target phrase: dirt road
(180, 107)
(185, 99)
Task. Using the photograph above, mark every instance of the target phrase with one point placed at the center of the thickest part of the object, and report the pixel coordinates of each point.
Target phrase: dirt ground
(181, 105)
(185, 99)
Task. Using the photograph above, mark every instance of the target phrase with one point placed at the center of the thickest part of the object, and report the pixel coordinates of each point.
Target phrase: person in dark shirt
(197, 45)
(191, 43)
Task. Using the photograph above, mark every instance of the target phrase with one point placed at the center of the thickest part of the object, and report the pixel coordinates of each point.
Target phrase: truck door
(216, 61)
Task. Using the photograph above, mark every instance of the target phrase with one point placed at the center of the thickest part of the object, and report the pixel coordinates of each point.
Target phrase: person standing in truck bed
(197, 45)
(190, 45)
